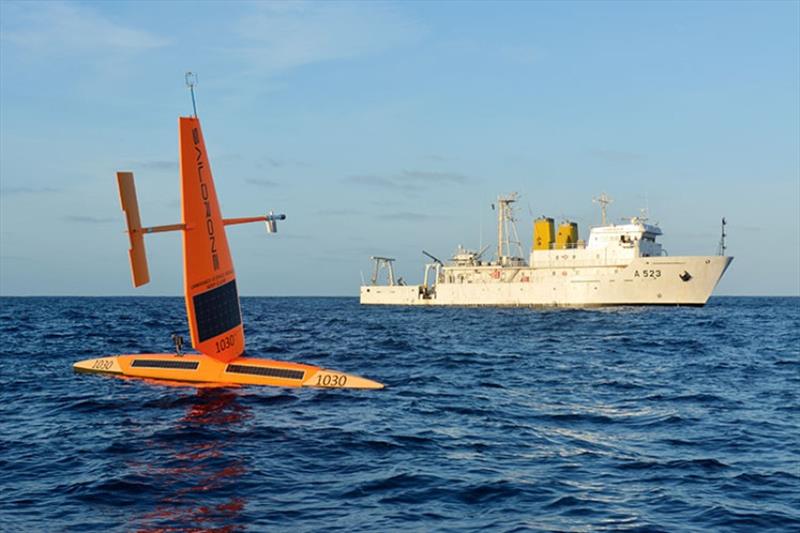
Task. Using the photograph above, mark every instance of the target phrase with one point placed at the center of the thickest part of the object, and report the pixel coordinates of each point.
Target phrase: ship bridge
(634, 235)
(612, 244)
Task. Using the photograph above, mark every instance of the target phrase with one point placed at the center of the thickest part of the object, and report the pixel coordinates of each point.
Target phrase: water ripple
(638, 419)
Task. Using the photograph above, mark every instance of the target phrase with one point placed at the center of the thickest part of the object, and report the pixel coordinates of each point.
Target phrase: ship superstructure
(619, 264)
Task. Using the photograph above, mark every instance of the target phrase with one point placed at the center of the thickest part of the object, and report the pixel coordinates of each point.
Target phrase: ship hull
(687, 280)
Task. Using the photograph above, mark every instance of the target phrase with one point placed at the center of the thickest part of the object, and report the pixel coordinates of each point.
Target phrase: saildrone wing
(137, 255)
(212, 301)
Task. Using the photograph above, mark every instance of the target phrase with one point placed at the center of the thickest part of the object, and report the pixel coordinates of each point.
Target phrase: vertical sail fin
(137, 255)
(212, 300)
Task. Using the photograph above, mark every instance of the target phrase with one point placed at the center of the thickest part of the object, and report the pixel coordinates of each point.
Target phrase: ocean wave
(633, 419)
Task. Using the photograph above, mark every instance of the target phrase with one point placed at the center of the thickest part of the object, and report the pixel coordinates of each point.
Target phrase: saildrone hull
(202, 369)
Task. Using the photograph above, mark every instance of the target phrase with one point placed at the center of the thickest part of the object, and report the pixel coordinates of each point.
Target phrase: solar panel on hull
(217, 311)
(285, 373)
(176, 365)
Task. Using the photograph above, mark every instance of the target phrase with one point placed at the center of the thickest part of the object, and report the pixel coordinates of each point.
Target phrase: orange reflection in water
(179, 384)
(201, 467)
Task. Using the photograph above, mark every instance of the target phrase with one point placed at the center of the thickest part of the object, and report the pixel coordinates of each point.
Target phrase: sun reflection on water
(195, 466)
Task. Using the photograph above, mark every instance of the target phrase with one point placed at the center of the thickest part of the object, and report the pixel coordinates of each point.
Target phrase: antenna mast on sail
(603, 200)
(191, 81)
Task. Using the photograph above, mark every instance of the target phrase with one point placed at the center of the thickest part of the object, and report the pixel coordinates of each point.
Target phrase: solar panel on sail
(217, 311)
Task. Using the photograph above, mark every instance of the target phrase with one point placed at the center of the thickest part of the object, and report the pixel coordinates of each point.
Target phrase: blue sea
(640, 419)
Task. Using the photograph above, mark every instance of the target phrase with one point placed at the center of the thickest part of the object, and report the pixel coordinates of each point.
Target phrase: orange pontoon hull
(202, 369)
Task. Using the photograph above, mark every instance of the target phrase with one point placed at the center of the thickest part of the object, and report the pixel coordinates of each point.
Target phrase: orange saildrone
(212, 299)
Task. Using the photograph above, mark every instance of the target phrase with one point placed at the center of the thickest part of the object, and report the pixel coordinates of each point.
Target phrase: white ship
(619, 264)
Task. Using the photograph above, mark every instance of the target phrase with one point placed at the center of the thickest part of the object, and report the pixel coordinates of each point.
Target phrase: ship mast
(506, 228)
(501, 214)
(603, 200)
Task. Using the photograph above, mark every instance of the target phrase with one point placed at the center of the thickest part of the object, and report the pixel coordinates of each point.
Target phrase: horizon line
(336, 296)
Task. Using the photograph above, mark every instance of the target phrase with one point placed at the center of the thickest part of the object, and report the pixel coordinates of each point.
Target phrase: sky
(390, 128)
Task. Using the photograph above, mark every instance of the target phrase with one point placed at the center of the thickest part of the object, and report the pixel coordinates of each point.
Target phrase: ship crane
(435, 259)
(436, 266)
(380, 264)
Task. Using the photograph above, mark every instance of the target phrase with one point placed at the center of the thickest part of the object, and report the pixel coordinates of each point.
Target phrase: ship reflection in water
(195, 470)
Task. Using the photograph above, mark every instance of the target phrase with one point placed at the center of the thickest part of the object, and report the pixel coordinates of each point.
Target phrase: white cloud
(281, 35)
(61, 28)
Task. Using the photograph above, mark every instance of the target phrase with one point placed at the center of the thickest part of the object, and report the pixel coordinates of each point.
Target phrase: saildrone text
(205, 196)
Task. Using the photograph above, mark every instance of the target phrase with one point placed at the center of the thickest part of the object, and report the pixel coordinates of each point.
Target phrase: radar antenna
(603, 200)
(191, 81)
